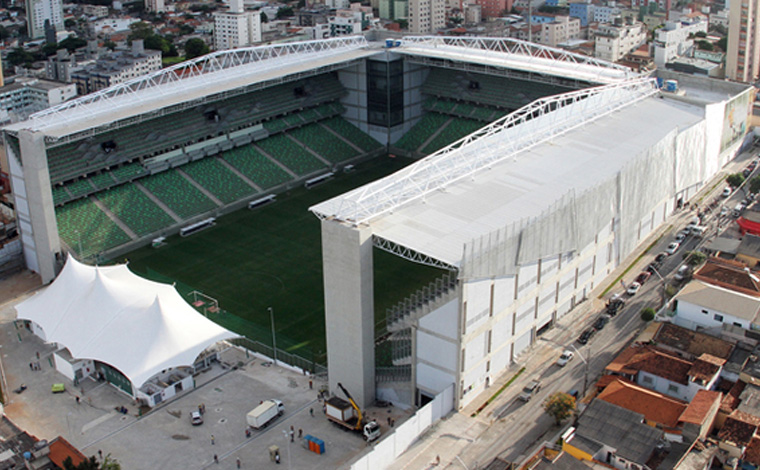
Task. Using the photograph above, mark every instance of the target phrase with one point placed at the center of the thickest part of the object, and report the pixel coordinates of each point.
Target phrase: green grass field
(271, 257)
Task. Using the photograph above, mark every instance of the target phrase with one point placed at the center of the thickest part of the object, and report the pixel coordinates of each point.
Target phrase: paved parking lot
(164, 437)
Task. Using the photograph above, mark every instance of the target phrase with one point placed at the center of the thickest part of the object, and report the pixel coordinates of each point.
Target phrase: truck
(265, 413)
(348, 415)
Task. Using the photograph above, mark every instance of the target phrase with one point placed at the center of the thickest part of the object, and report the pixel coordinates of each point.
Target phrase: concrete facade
(743, 55)
(349, 309)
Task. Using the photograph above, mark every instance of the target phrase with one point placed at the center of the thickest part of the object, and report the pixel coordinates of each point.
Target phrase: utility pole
(274, 337)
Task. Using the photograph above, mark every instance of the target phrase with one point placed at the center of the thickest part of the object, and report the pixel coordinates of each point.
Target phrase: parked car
(694, 222)
(614, 306)
(633, 288)
(724, 211)
(672, 248)
(643, 277)
(661, 257)
(566, 357)
(196, 418)
(653, 267)
(726, 191)
(586, 336)
(682, 272)
(601, 322)
(680, 237)
(531, 389)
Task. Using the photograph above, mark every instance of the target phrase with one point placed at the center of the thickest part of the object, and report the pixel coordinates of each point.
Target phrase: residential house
(737, 433)
(612, 435)
(700, 305)
(749, 251)
(690, 344)
(697, 421)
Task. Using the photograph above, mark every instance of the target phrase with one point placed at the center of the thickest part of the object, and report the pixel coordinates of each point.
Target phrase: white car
(566, 357)
(727, 191)
(680, 237)
(672, 248)
(724, 210)
(633, 288)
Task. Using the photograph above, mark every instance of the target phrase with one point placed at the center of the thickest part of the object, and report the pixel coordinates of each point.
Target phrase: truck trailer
(347, 414)
(265, 413)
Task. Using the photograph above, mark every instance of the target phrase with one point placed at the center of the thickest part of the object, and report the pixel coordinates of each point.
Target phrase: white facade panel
(525, 316)
(475, 350)
(504, 293)
(443, 320)
(522, 343)
(437, 351)
(431, 379)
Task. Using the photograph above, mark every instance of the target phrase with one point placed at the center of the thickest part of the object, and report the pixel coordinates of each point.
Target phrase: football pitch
(271, 257)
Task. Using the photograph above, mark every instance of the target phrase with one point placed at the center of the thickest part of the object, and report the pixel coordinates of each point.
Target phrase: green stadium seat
(352, 133)
(135, 209)
(178, 194)
(428, 125)
(218, 179)
(455, 130)
(290, 154)
(86, 229)
(256, 167)
(325, 143)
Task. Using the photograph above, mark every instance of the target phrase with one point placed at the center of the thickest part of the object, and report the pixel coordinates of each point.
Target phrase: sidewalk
(448, 439)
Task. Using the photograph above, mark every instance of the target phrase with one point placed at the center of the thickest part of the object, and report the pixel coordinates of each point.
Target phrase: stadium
(542, 171)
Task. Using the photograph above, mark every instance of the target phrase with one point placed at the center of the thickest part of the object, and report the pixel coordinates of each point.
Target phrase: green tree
(140, 30)
(195, 47)
(722, 43)
(185, 29)
(694, 258)
(701, 34)
(110, 45)
(264, 17)
(559, 406)
(72, 43)
(735, 180)
(284, 12)
(705, 45)
(20, 56)
(648, 314)
(69, 22)
(754, 184)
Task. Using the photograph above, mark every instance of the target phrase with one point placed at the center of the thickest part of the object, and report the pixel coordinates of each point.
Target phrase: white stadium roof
(111, 315)
(508, 53)
(511, 170)
(225, 71)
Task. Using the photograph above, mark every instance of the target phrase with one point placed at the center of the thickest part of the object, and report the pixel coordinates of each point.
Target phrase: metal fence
(281, 356)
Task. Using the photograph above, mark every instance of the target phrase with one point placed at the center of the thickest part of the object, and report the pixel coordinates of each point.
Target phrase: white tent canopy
(111, 315)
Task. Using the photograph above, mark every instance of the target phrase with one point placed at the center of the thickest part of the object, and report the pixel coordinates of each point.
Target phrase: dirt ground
(17, 284)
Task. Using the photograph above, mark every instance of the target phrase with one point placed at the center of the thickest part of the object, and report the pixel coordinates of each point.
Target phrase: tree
(195, 47)
(140, 30)
(109, 463)
(284, 12)
(264, 17)
(648, 314)
(69, 22)
(754, 184)
(722, 43)
(20, 56)
(109, 44)
(694, 258)
(559, 406)
(705, 45)
(72, 43)
(701, 34)
(735, 180)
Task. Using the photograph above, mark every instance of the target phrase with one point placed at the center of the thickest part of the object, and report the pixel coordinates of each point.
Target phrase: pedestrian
(292, 434)
(393, 422)
(213, 441)
(311, 384)
(277, 458)
(216, 459)
(100, 454)
(31, 366)
(200, 409)
(203, 405)
(77, 398)
(300, 433)
(38, 354)
(311, 412)
(247, 432)
(237, 461)
(389, 420)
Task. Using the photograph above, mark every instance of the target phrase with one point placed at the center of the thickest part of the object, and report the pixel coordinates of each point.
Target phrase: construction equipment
(350, 416)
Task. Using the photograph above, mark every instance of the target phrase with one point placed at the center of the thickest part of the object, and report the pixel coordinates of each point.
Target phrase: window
(705, 311)
(673, 388)
(718, 317)
(647, 379)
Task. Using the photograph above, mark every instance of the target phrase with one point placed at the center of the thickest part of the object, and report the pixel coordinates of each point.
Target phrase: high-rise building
(426, 16)
(743, 56)
(39, 11)
(155, 6)
(494, 8)
(236, 27)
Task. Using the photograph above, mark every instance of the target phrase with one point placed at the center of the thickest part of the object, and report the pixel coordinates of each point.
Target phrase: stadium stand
(178, 194)
(324, 143)
(128, 172)
(504, 93)
(454, 130)
(290, 154)
(80, 188)
(218, 179)
(256, 167)
(102, 180)
(135, 209)
(82, 223)
(60, 195)
(352, 133)
(428, 125)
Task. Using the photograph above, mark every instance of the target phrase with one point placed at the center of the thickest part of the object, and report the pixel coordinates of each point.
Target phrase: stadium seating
(60, 195)
(218, 179)
(256, 167)
(102, 180)
(135, 209)
(325, 143)
(82, 223)
(350, 132)
(128, 172)
(275, 125)
(178, 194)
(455, 130)
(80, 188)
(428, 125)
(290, 154)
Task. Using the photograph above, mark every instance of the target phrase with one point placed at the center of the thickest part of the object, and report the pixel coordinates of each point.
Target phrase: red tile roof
(706, 367)
(731, 399)
(691, 342)
(729, 275)
(60, 448)
(739, 428)
(700, 406)
(752, 452)
(655, 406)
(650, 359)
